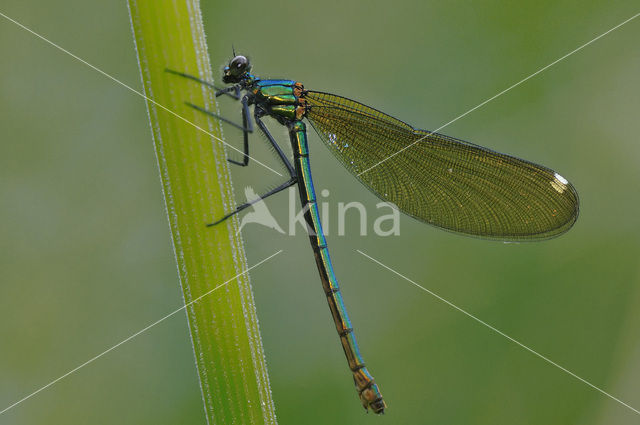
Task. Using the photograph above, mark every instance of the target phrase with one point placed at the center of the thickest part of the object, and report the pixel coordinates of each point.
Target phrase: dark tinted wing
(444, 181)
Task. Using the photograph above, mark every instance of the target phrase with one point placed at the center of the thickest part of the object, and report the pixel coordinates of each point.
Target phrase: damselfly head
(238, 67)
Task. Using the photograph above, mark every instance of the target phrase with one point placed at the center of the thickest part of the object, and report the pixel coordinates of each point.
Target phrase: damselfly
(446, 182)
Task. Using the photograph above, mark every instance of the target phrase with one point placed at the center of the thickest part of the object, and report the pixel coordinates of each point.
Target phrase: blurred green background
(87, 261)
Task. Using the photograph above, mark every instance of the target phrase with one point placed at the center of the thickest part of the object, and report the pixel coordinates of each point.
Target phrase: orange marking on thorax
(298, 91)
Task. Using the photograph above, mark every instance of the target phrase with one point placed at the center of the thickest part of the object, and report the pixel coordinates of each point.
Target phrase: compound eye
(238, 64)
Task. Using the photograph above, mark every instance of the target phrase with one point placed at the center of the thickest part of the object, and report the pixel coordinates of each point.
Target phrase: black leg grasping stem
(241, 207)
(219, 91)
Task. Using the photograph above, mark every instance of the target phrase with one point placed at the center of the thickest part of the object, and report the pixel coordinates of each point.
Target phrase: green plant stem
(197, 188)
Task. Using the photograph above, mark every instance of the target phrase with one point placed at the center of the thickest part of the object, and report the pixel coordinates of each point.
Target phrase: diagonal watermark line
(136, 334)
(132, 89)
(546, 359)
(501, 93)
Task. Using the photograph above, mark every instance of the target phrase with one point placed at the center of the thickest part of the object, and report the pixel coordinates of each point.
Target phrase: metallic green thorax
(277, 97)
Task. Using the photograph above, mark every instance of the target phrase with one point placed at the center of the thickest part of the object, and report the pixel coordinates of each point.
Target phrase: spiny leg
(219, 91)
(246, 128)
(241, 207)
(258, 114)
(247, 125)
(292, 177)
